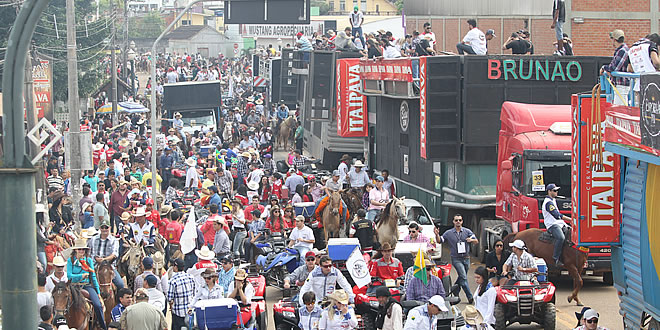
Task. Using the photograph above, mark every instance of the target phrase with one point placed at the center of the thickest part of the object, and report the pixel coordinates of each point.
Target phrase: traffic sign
(38, 139)
(235, 46)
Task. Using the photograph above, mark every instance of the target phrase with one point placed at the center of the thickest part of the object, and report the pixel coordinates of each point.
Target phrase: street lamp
(131, 57)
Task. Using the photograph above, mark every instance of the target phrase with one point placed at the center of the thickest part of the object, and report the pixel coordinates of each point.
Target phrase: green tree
(148, 26)
(399, 6)
(324, 7)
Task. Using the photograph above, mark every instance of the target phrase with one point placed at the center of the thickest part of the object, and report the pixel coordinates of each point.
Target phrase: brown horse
(332, 215)
(353, 199)
(68, 301)
(286, 128)
(104, 274)
(130, 263)
(386, 229)
(573, 259)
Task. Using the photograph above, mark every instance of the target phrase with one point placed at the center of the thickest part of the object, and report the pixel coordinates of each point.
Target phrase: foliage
(324, 7)
(49, 42)
(399, 6)
(148, 26)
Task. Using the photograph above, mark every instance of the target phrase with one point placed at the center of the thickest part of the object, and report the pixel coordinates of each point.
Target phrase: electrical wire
(78, 50)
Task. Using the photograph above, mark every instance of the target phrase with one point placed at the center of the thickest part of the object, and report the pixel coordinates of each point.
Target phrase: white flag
(358, 268)
(188, 239)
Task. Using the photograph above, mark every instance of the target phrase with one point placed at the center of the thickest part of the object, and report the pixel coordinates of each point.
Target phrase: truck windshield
(557, 172)
(197, 118)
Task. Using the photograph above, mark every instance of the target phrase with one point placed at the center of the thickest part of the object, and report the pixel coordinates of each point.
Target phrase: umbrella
(107, 108)
(132, 107)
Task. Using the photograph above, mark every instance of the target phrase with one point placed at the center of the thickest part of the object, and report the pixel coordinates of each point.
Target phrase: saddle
(547, 237)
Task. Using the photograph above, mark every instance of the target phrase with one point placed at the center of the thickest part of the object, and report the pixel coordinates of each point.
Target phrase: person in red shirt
(254, 206)
(109, 152)
(387, 267)
(154, 216)
(173, 232)
(205, 256)
(276, 222)
(276, 186)
(97, 153)
(288, 216)
(207, 228)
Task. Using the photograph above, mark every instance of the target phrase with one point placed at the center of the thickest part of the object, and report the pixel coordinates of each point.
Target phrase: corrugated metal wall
(479, 7)
(632, 303)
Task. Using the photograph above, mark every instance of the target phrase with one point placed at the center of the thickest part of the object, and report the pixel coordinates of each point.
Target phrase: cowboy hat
(58, 261)
(122, 181)
(204, 253)
(358, 163)
(385, 247)
(191, 162)
(345, 157)
(259, 102)
(88, 233)
(80, 243)
(253, 185)
(97, 146)
(140, 212)
(86, 205)
(250, 99)
(246, 154)
(340, 296)
(241, 274)
(165, 210)
(124, 143)
(177, 114)
(209, 272)
(125, 216)
(159, 259)
(125, 155)
(472, 316)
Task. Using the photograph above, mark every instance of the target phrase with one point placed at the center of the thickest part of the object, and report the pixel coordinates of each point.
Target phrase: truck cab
(198, 102)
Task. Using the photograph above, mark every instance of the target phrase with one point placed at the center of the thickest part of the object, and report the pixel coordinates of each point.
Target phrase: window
(342, 5)
(517, 171)
(185, 22)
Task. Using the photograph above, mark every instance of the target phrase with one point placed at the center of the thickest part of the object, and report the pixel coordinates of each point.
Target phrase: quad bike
(285, 311)
(279, 260)
(366, 303)
(525, 302)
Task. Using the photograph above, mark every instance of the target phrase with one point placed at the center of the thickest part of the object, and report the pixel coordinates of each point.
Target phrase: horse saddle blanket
(547, 237)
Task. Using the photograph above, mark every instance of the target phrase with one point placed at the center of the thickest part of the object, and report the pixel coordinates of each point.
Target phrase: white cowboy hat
(97, 146)
(259, 102)
(177, 114)
(88, 233)
(86, 205)
(140, 212)
(191, 162)
(80, 243)
(358, 163)
(59, 261)
(253, 185)
(340, 296)
(204, 253)
(472, 316)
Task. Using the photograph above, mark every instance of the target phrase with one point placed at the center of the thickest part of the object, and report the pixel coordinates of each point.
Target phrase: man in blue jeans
(459, 240)
(554, 221)
(356, 18)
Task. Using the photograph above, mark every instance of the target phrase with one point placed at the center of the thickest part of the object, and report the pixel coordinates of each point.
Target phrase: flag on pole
(358, 268)
(188, 239)
(419, 269)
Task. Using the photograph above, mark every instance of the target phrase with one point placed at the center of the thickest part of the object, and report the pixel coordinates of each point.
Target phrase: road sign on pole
(38, 140)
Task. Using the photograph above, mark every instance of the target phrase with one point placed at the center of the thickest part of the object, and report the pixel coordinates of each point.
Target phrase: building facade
(588, 22)
(368, 7)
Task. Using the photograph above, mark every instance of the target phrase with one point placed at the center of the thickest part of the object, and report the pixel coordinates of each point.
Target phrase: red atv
(257, 307)
(285, 311)
(366, 303)
(525, 302)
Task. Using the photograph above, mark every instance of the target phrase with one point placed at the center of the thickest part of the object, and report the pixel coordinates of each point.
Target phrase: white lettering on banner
(422, 107)
(281, 30)
(355, 100)
(602, 203)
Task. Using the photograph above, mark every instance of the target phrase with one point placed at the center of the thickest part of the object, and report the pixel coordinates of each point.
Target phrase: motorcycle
(525, 302)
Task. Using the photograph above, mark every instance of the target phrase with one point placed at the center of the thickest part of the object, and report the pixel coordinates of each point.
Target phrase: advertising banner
(351, 103)
(399, 69)
(281, 30)
(422, 106)
(42, 75)
(623, 127)
(650, 110)
(595, 201)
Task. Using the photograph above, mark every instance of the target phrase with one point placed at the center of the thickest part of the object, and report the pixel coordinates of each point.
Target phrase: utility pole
(113, 65)
(124, 68)
(73, 152)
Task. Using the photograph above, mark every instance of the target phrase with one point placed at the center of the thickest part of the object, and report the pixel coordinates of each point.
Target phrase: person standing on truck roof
(171, 76)
(457, 238)
(554, 221)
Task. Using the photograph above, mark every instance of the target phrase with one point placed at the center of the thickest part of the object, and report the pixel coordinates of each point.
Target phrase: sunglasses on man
(592, 321)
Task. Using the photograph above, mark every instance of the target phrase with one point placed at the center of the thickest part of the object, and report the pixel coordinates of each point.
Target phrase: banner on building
(623, 127)
(281, 30)
(352, 120)
(650, 110)
(594, 191)
(42, 76)
(422, 106)
(399, 69)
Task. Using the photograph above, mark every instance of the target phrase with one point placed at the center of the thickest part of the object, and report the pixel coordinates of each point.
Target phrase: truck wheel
(549, 316)
(608, 278)
(500, 317)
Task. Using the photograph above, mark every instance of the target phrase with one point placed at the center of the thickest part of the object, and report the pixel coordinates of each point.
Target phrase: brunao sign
(533, 69)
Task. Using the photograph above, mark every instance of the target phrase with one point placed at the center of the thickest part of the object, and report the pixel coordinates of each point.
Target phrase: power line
(79, 50)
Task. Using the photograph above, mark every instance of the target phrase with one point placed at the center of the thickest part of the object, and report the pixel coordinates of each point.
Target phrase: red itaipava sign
(351, 103)
(623, 127)
(595, 210)
(399, 69)
(422, 107)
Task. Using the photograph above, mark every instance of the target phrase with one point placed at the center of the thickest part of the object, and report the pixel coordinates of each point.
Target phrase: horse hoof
(580, 304)
(569, 299)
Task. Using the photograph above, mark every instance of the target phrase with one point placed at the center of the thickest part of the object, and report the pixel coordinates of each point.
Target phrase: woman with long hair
(264, 189)
(272, 202)
(80, 270)
(241, 194)
(338, 315)
(297, 197)
(306, 196)
(288, 216)
(495, 261)
(275, 221)
(238, 225)
(484, 298)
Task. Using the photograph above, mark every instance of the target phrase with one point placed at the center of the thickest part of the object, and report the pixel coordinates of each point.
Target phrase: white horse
(227, 135)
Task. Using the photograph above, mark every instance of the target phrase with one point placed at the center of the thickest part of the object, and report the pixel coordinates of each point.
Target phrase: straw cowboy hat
(159, 260)
(98, 146)
(209, 272)
(125, 216)
(124, 143)
(472, 316)
(385, 247)
(253, 185)
(259, 102)
(59, 261)
(80, 243)
(345, 157)
(241, 274)
(88, 233)
(165, 210)
(191, 162)
(204, 253)
(340, 296)
(246, 154)
(358, 163)
(140, 212)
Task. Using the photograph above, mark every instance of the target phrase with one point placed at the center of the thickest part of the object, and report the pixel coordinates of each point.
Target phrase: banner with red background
(398, 69)
(352, 119)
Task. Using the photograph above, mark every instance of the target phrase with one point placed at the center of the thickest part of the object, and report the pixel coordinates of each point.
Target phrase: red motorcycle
(525, 302)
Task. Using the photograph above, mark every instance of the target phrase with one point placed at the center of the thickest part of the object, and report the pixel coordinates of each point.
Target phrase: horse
(387, 227)
(130, 262)
(68, 301)
(285, 130)
(104, 274)
(331, 216)
(573, 259)
(353, 199)
(227, 132)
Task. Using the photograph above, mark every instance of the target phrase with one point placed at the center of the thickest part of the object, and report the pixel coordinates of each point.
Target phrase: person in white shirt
(192, 177)
(301, 237)
(390, 51)
(356, 18)
(343, 167)
(156, 297)
(428, 34)
(58, 275)
(485, 295)
(474, 41)
(357, 176)
(589, 321)
(171, 76)
(241, 289)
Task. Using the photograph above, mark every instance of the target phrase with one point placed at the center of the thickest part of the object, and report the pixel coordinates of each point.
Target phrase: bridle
(69, 301)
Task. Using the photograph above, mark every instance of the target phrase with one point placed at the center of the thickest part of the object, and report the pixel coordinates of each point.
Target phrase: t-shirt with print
(477, 40)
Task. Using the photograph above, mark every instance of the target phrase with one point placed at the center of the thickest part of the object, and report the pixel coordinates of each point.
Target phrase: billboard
(267, 12)
(352, 120)
(42, 76)
(284, 31)
(595, 177)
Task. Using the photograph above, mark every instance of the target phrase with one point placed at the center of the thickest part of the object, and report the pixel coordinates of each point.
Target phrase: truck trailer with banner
(629, 135)
(445, 124)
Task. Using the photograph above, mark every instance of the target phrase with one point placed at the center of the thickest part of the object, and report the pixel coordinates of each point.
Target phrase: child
(365, 195)
(311, 314)
(88, 216)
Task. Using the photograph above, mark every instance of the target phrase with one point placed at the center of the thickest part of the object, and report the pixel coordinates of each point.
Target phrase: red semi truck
(534, 150)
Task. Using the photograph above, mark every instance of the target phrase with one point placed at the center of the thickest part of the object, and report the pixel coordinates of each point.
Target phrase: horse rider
(365, 231)
(520, 265)
(80, 271)
(105, 247)
(282, 112)
(378, 199)
(554, 221)
(357, 177)
(333, 184)
(387, 267)
(343, 167)
(142, 231)
(323, 280)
